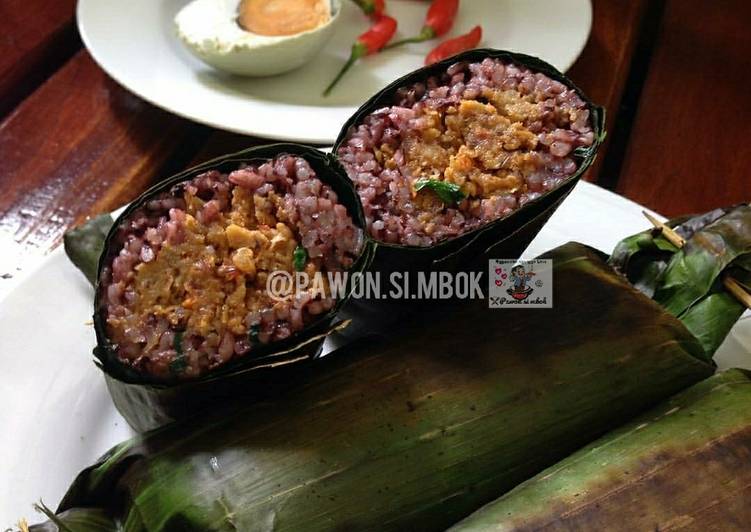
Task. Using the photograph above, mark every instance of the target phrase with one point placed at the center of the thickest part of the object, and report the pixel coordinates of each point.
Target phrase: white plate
(56, 416)
(135, 43)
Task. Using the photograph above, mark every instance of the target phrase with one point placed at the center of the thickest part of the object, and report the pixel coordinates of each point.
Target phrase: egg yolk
(282, 17)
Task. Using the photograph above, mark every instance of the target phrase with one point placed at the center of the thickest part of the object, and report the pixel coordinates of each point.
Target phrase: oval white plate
(57, 417)
(135, 43)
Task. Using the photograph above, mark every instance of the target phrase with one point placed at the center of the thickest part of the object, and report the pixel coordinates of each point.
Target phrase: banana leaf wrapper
(147, 404)
(413, 433)
(84, 245)
(685, 465)
(454, 253)
(688, 282)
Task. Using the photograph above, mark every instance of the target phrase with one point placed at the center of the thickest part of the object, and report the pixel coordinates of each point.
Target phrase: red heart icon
(498, 282)
(498, 271)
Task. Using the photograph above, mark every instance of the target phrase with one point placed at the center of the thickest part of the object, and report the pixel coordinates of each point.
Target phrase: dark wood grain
(687, 150)
(82, 145)
(603, 67)
(36, 36)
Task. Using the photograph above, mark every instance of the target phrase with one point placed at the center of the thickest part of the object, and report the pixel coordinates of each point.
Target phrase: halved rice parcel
(183, 281)
(456, 146)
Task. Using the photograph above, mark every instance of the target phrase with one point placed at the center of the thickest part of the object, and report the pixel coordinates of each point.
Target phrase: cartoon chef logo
(520, 288)
(527, 283)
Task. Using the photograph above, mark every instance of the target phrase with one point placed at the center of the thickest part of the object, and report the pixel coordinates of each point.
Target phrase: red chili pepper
(453, 46)
(370, 42)
(438, 21)
(372, 8)
(440, 17)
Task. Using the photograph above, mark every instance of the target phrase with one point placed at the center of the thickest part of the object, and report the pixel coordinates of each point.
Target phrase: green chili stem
(426, 34)
(358, 51)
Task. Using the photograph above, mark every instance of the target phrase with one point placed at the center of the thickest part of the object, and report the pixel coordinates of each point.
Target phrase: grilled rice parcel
(470, 145)
(185, 289)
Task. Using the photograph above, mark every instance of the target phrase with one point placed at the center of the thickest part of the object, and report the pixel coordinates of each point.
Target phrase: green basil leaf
(450, 193)
(253, 333)
(299, 258)
(177, 343)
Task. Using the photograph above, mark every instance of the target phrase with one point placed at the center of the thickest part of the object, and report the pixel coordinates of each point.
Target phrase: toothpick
(735, 288)
(670, 235)
(677, 240)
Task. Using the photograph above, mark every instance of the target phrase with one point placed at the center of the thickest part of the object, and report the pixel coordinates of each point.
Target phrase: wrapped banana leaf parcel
(183, 317)
(685, 465)
(455, 156)
(472, 152)
(688, 282)
(467, 155)
(414, 432)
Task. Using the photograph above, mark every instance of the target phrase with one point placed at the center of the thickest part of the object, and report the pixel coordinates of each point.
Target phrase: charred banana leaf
(413, 433)
(515, 230)
(146, 402)
(684, 465)
(688, 282)
(85, 244)
(87, 520)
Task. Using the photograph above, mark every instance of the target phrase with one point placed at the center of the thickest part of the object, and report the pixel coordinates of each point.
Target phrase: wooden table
(674, 77)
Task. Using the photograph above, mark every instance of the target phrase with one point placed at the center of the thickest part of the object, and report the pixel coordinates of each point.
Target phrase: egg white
(210, 30)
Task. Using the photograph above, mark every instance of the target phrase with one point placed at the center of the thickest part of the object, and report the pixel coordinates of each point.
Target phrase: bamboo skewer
(737, 290)
(677, 240)
(669, 234)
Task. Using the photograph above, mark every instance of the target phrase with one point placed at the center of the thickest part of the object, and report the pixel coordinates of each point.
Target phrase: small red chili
(370, 42)
(453, 46)
(440, 17)
(372, 8)
(438, 21)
